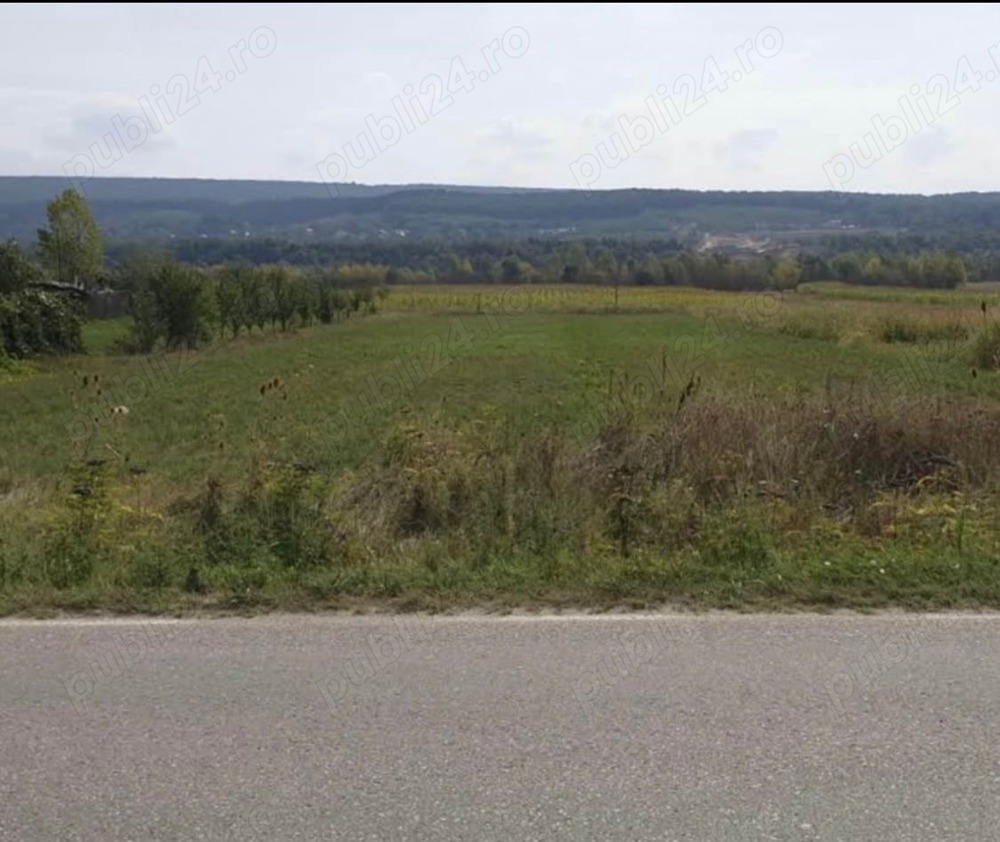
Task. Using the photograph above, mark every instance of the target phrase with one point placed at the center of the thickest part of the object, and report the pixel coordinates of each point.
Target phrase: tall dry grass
(663, 494)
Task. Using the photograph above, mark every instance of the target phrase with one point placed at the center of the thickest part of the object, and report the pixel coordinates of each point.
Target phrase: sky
(871, 98)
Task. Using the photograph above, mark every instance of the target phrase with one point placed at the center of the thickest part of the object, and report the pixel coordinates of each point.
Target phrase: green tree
(147, 324)
(675, 272)
(955, 273)
(173, 302)
(576, 264)
(816, 269)
(943, 270)
(606, 266)
(512, 270)
(325, 310)
(647, 273)
(255, 305)
(459, 269)
(305, 298)
(229, 297)
(16, 271)
(848, 267)
(71, 246)
(787, 273)
(874, 271)
(283, 302)
(36, 322)
(182, 297)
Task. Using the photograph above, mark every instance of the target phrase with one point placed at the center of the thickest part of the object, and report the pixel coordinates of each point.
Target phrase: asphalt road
(469, 728)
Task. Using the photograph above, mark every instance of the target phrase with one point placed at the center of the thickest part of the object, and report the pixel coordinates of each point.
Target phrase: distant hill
(41, 188)
(164, 209)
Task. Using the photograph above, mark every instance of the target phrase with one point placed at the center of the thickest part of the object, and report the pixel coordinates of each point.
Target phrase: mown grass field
(542, 446)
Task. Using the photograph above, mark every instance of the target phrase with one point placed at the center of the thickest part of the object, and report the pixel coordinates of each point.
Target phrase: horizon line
(514, 188)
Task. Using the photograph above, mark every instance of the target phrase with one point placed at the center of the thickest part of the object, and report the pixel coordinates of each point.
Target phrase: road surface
(666, 727)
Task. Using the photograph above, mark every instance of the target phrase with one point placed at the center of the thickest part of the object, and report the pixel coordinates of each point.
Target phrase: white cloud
(536, 110)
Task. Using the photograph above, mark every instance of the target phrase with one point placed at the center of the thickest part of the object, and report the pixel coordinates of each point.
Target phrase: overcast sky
(890, 98)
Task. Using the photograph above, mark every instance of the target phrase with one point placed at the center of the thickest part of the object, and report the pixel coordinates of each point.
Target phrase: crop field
(530, 446)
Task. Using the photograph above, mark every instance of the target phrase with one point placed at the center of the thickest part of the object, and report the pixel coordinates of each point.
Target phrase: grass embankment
(693, 448)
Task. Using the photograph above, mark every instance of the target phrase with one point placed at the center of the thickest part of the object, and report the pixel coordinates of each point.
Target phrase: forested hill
(25, 189)
(163, 209)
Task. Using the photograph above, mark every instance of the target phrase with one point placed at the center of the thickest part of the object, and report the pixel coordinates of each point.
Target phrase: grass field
(543, 446)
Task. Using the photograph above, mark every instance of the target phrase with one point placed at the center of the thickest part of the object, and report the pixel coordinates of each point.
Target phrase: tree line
(610, 261)
(215, 287)
(174, 304)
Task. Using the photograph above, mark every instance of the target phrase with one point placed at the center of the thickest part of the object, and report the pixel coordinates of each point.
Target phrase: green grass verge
(432, 459)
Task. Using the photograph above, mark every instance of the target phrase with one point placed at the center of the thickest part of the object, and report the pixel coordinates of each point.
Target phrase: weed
(985, 350)
(563, 456)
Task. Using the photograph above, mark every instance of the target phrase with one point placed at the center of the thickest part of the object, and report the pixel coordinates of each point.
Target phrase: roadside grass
(479, 447)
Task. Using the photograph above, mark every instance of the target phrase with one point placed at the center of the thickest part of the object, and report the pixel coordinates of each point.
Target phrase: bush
(16, 271)
(903, 330)
(330, 302)
(278, 516)
(985, 351)
(804, 327)
(34, 322)
(170, 302)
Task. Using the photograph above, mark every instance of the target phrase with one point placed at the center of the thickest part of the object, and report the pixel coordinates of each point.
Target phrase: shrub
(277, 516)
(170, 302)
(985, 352)
(898, 330)
(330, 302)
(804, 327)
(903, 330)
(34, 322)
